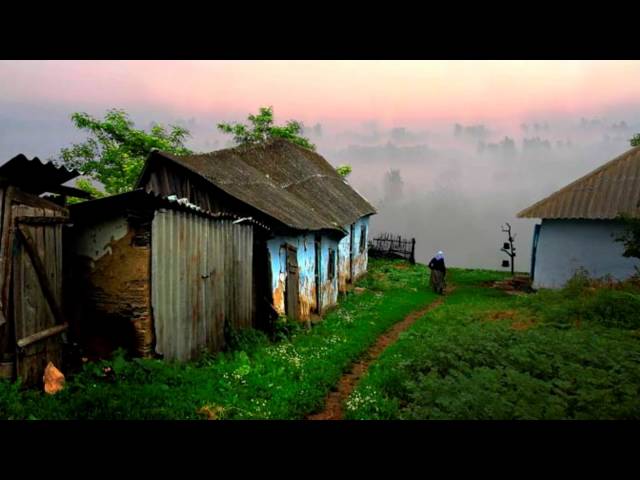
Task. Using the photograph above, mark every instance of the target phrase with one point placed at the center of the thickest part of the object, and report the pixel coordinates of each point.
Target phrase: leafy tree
(115, 152)
(261, 129)
(635, 140)
(630, 237)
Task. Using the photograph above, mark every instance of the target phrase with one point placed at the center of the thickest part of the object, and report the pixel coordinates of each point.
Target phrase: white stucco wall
(566, 245)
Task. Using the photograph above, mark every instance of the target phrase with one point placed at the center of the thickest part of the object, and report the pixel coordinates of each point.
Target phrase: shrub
(613, 308)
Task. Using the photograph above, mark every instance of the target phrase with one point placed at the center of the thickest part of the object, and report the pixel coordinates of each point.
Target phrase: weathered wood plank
(6, 246)
(56, 220)
(41, 272)
(21, 197)
(43, 334)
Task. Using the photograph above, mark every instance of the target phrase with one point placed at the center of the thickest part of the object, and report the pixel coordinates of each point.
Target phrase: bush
(614, 309)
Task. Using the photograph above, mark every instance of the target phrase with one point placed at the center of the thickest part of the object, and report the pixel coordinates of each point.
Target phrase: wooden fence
(388, 245)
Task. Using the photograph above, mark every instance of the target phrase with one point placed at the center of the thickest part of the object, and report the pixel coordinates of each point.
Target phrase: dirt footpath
(333, 404)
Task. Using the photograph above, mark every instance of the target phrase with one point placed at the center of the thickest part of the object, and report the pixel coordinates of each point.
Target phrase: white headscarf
(440, 255)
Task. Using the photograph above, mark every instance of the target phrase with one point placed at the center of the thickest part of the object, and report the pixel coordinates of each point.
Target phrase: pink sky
(391, 92)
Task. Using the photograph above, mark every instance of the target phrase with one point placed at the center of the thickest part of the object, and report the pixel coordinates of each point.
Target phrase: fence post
(413, 251)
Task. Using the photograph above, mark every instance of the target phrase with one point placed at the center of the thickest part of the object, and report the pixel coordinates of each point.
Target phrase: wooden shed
(31, 274)
(160, 276)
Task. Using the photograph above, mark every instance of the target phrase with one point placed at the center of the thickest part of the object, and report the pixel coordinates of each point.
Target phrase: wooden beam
(41, 272)
(70, 191)
(18, 196)
(34, 220)
(36, 337)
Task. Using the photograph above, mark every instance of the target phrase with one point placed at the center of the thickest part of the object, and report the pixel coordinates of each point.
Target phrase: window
(363, 238)
(331, 270)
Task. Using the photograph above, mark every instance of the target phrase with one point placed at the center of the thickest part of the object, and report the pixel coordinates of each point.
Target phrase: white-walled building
(579, 224)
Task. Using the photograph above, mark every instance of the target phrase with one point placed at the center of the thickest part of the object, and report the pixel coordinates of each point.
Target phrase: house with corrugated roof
(319, 224)
(207, 242)
(580, 223)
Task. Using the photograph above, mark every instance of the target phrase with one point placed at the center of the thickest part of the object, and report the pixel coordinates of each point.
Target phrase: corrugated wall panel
(201, 280)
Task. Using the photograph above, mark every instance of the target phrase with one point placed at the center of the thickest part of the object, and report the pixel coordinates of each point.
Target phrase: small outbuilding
(157, 275)
(32, 321)
(580, 223)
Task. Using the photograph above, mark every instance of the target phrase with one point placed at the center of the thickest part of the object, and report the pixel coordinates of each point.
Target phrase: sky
(458, 185)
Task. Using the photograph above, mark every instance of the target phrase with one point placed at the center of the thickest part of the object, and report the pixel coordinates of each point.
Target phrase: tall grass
(260, 379)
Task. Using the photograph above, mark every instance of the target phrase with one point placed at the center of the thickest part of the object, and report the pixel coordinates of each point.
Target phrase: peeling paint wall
(305, 245)
(111, 266)
(360, 259)
(329, 287)
(344, 261)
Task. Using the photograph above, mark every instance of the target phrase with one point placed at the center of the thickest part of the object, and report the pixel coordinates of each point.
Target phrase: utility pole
(508, 248)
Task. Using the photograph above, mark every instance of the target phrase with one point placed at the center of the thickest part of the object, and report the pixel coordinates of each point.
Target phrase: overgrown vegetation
(261, 379)
(483, 354)
(635, 140)
(568, 354)
(115, 151)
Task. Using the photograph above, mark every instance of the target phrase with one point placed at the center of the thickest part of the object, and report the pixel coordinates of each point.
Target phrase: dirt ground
(333, 409)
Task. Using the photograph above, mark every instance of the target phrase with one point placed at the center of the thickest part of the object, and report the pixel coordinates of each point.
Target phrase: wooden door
(292, 309)
(37, 289)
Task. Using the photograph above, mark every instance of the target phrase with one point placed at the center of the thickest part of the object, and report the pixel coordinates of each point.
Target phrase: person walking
(438, 273)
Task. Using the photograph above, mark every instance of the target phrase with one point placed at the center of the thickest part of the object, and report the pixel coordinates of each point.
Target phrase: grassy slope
(487, 355)
(286, 380)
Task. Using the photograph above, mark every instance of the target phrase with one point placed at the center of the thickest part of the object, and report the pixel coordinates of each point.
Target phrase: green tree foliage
(115, 152)
(344, 170)
(635, 140)
(630, 237)
(261, 129)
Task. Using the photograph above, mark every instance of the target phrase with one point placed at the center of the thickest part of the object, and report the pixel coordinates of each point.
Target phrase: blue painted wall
(344, 260)
(305, 245)
(329, 287)
(360, 259)
(564, 246)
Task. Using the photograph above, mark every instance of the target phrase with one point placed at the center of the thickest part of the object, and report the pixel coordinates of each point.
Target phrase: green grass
(570, 354)
(287, 379)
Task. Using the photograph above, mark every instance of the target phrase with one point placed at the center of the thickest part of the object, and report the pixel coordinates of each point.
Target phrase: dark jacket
(436, 264)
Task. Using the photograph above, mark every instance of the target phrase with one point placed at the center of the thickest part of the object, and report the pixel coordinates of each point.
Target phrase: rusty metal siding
(602, 194)
(201, 280)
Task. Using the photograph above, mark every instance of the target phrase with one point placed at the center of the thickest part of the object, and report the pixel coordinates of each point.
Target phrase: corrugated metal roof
(604, 193)
(291, 184)
(35, 176)
(95, 209)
